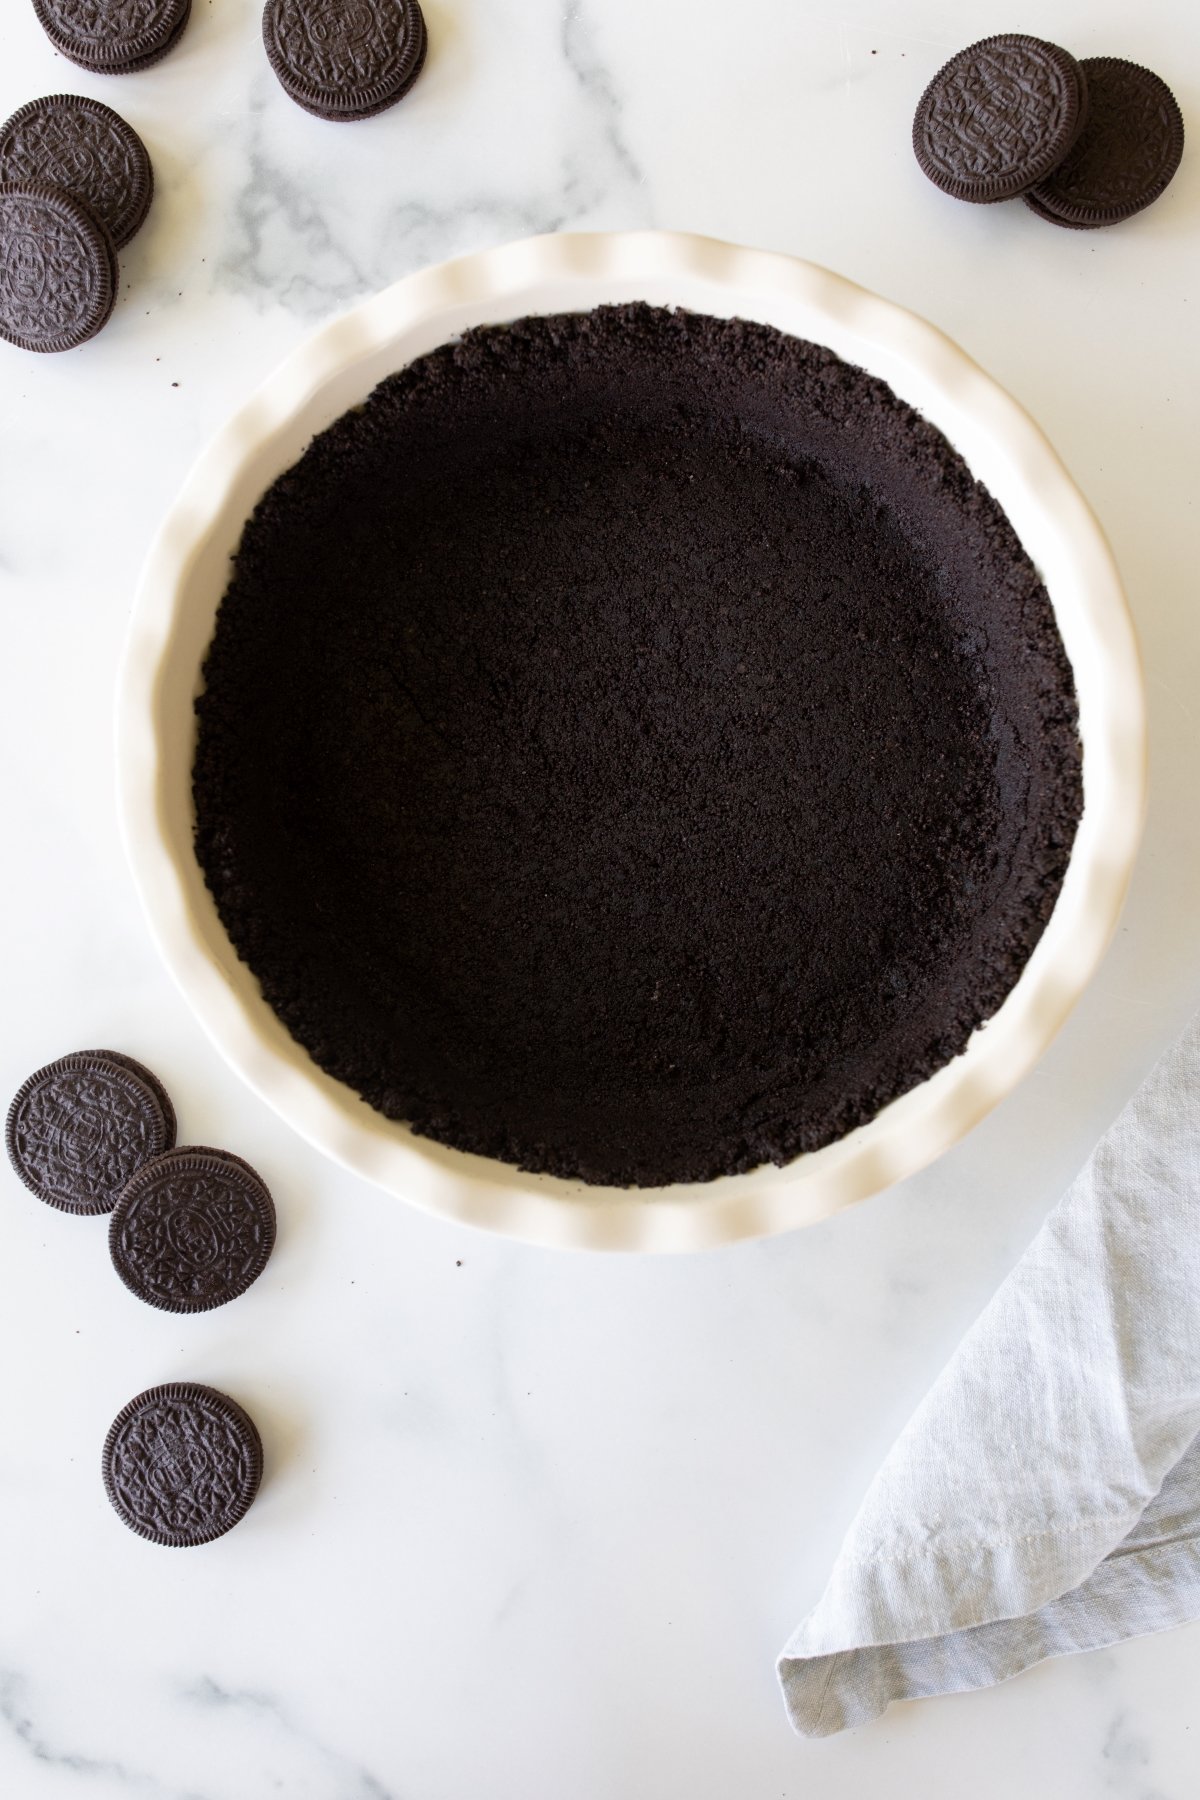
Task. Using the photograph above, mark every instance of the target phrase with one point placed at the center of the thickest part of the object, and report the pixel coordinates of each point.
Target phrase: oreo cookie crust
(634, 747)
(86, 148)
(182, 1464)
(192, 1230)
(1126, 155)
(81, 1128)
(345, 59)
(113, 37)
(999, 116)
(58, 269)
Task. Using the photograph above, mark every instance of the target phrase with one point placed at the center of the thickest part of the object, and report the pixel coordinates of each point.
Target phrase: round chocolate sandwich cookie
(113, 37)
(999, 116)
(87, 149)
(192, 1230)
(182, 1464)
(345, 59)
(1126, 154)
(58, 269)
(81, 1128)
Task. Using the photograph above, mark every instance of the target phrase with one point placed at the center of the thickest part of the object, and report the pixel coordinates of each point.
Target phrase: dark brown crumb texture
(634, 747)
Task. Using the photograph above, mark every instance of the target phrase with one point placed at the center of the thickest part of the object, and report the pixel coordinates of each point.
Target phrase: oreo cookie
(1125, 156)
(182, 1464)
(192, 1230)
(58, 269)
(113, 37)
(79, 1130)
(345, 59)
(151, 1080)
(85, 148)
(999, 116)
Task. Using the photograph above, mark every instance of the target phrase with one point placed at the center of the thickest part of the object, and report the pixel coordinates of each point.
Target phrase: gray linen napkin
(1045, 1496)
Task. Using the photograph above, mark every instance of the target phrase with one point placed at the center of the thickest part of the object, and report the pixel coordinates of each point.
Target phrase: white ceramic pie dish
(185, 576)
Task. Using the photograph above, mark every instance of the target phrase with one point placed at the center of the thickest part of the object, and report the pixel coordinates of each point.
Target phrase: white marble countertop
(535, 1525)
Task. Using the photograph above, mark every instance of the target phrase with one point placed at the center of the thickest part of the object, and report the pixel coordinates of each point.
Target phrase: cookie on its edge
(182, 1464)
(341, 62)
(192, 1230)
(86, 148)
(999, 116)
(113, 40)
(79, 1129)
(1126, 154)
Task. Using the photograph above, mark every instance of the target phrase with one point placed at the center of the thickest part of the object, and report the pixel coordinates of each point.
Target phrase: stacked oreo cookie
(1084, 143)
(113, 37)
(75, 185)
(345, 59)
(190, 1229)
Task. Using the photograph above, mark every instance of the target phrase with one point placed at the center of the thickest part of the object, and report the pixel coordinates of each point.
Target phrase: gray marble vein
(290, 242)
(595, 78)
(354, 1780)
(1127, 1755)
(283, 244)
(20, 1724)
